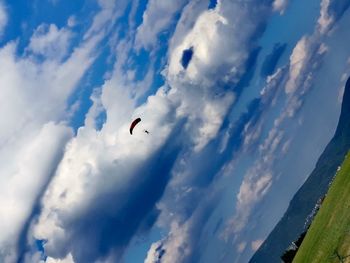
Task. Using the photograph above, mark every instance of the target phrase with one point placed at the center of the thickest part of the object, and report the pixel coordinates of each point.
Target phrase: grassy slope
(330, 230)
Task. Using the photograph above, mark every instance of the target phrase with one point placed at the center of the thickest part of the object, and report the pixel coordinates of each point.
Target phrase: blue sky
(240, 98)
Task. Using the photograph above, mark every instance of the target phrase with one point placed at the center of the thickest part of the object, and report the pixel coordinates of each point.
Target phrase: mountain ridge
(291, 225)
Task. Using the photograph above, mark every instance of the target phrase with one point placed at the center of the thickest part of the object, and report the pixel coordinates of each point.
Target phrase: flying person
(133, 125)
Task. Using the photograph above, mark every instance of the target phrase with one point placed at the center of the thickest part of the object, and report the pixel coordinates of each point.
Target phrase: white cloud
(325, 20)
(31, 160)
(106, 17)
(241, 246)
(157, 17)
(252, 190)
(68, 259)
(72, 21)
(50, 42)
(175, 247)
(154, 253)
(182, 240)
(188, 18)
(102, 162)
(306, 58)
(211, 33)
(3, 18)
(298, 60)
(218, 57)
(330, 13)
(251, 133)
(33, 133)
(280, 6)
(256, 244)
(105, 162)
(296, 79)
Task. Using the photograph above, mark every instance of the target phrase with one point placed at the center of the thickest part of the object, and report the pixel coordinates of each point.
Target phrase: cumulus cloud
(210, 33)
(107, 164)
(112, 164)
(177, 77)
(49, 41)
(29, 142)
(182, 242)
(295, 80)
(34, 133)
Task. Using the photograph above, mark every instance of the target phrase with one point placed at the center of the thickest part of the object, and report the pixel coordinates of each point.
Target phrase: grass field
(328, 239)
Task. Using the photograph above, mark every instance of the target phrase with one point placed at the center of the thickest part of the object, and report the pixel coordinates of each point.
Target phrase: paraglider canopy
(133, 124)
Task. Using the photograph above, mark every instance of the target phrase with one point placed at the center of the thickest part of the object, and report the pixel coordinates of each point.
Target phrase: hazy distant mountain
(292, 223)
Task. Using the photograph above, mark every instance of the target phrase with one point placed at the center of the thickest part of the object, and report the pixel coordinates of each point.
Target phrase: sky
(240, 97)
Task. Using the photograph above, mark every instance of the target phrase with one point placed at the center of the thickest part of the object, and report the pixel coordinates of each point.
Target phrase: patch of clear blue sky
(298, 19)
(287, 29)
(160, 60)
(139, 61)
(139, 246)
(281, 29)
(137, 251)
(212, 4)
(25, 16)
(94, 78)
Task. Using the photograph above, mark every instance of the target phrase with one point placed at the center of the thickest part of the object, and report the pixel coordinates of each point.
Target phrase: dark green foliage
(290, 253)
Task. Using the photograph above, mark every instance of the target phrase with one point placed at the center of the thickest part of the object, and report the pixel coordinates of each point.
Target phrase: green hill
(328, 239)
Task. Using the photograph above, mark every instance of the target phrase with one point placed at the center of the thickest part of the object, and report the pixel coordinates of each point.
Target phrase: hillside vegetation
(328, 239)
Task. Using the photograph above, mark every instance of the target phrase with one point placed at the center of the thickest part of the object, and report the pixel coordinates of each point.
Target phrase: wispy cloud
(3, 18)
(156, 18)
(331, 12)
(124, 165)
(296, 79)
(280, 5)
(111, 187)
(50, 42)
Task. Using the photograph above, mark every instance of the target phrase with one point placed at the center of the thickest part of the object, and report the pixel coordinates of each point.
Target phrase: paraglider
(133, 124)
